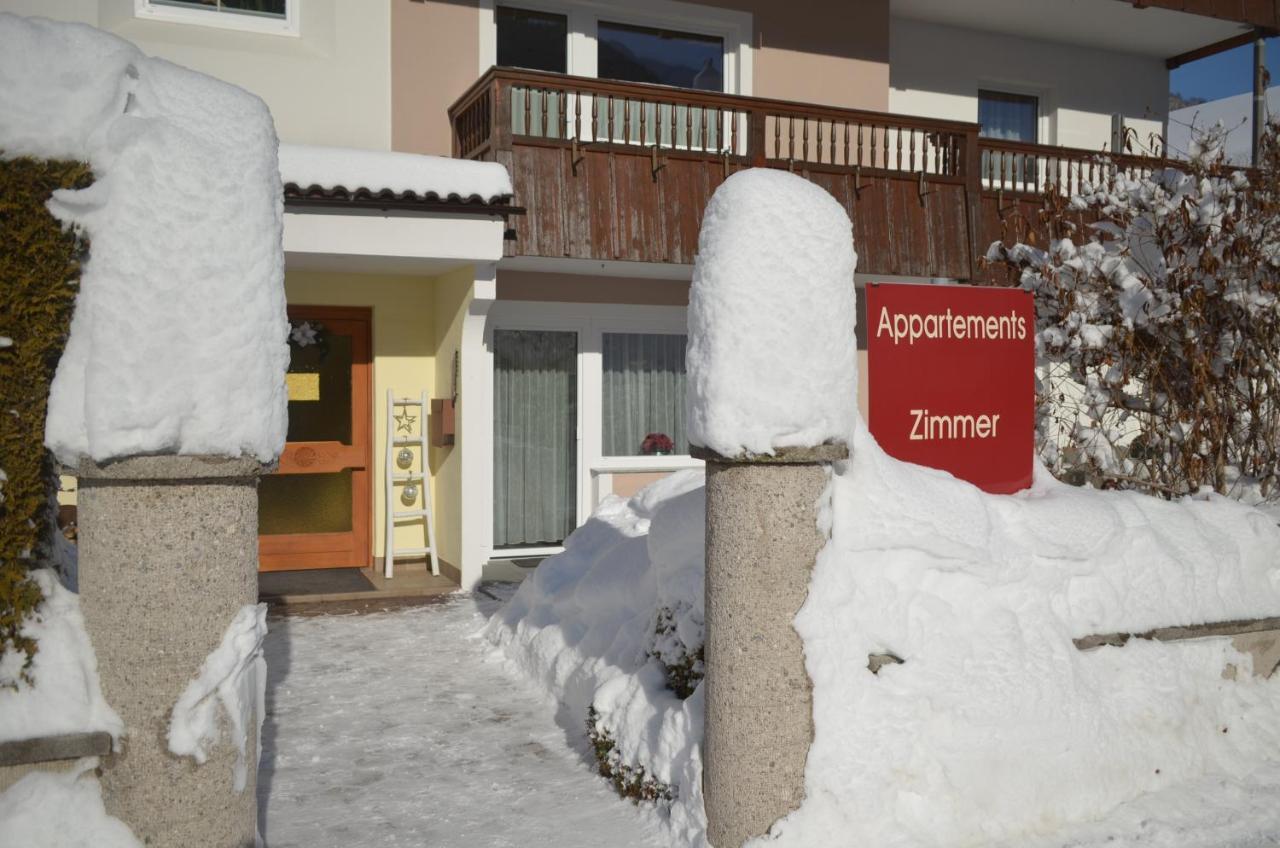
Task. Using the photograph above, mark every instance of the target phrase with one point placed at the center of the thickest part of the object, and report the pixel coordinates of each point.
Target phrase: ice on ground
(61, 810)
(178, 338)
(402, 728)
(772, 355)
(235, 676)
(66, 696)
(306, 165)
(996, 730)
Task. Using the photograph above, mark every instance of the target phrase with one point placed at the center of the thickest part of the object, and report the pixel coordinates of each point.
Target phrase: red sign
(951, 380)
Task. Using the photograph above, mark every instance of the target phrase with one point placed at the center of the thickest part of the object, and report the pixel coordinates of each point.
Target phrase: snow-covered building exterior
(552, 320)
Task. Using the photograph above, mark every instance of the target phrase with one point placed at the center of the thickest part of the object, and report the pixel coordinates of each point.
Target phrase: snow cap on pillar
(772, 354)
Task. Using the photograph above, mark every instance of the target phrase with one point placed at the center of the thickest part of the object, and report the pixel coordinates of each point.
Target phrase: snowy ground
(400, 728)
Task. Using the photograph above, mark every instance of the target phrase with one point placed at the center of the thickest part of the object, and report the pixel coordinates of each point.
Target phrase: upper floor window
(529, 39)
(278, 17)
(1012, 117)
(666, 57)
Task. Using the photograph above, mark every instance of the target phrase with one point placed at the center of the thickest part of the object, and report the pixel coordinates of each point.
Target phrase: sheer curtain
(535, 401)
(644, 391)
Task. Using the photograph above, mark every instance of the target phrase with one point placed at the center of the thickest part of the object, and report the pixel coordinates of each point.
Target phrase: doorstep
(325, 590)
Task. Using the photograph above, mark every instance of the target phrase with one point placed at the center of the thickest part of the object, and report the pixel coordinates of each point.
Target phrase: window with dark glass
(1012, 117)
(666, 57)
(535, 40)
(1009, 117)
(265, 8)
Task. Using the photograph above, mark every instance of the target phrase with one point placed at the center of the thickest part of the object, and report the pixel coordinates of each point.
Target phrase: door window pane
(644, 394)
(535, 436)
(666, 57)
(535, 40)
(319, 381)
(304, 503)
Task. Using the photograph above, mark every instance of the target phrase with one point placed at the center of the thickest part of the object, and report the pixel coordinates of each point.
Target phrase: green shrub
(39, 267)
(682, 663)
(628, 781)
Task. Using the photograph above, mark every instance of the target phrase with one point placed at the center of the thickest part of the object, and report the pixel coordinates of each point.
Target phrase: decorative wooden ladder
(414, 473)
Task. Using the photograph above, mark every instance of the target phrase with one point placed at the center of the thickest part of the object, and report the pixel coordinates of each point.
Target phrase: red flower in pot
(656, 444)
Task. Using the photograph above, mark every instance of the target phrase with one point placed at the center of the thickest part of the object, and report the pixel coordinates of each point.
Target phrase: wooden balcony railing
(616, 170)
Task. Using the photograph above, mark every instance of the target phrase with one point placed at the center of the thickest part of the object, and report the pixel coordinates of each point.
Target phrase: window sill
(643, 464)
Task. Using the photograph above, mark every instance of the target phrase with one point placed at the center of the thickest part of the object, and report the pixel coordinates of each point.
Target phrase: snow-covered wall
(995, 730)
(178, 338)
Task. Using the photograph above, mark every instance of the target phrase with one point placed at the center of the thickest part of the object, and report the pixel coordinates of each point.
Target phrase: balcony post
(755, 137)
(971, 163)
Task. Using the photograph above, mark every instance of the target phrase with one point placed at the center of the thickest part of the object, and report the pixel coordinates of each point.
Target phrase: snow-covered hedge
(178, 339)
(995, 730)
(39, 266)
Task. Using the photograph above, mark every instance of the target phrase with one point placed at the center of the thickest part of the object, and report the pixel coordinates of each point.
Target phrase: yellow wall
(453, 292)
(403, 352)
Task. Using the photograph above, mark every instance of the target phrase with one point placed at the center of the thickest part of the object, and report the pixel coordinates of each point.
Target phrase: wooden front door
(315, 510)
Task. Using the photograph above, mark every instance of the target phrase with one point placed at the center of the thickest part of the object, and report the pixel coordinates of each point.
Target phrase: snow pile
(585, 628)
(995, 730)
(772, 355)
(306, 165)
(61, 810)
(234, 675)
(178, 338)
(66, 697)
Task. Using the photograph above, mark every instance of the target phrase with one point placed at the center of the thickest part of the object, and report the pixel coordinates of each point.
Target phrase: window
(1012, 117)
(1009, 117)
(643, 394)
(278, 17)
(534, 40)
(666, 57)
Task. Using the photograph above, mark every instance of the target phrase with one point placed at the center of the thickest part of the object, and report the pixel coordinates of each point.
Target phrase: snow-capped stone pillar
(772, 403)
(168, 552)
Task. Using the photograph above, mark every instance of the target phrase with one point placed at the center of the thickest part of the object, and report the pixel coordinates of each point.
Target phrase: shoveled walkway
(398, 729)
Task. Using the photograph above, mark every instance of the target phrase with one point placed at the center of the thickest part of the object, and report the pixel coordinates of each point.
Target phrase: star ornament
(405, 421)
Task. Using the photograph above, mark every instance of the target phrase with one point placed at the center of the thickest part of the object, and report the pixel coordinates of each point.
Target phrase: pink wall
(435, 57)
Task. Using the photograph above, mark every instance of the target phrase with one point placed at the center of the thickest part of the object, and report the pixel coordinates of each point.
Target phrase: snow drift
(67, 697)
(61, 810)
(178, 338)
(995, 730)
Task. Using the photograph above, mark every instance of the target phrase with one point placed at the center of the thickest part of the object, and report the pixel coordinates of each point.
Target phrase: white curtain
(535, 436)
(644, 391)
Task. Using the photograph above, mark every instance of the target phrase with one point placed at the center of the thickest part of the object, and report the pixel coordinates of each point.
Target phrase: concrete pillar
(168, 555)
(762, 541)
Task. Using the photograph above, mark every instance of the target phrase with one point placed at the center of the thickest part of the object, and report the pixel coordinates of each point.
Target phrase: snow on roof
(178, 340)
(307, 165)
(1235, 113)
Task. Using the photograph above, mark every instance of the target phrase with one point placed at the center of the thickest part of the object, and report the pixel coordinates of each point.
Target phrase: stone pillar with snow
(772, 403)
(169, 398)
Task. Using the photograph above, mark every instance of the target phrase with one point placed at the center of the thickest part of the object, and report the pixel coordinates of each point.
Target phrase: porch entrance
(315, 510)
(535, 438)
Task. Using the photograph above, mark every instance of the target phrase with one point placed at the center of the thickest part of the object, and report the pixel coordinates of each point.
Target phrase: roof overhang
(421, 243)
(1160, 29)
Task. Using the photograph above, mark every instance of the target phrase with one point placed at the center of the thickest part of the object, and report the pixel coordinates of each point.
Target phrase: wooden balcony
(622, 171)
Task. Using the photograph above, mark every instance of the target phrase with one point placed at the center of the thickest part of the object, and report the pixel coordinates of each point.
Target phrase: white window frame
(590, 321)
(1045, 125)
(290, 25)
(584, 18)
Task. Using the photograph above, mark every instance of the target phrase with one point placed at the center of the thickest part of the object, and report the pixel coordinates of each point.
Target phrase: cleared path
(399, 729)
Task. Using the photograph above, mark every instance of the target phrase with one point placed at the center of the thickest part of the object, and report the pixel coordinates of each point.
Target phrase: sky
(1224, 74)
